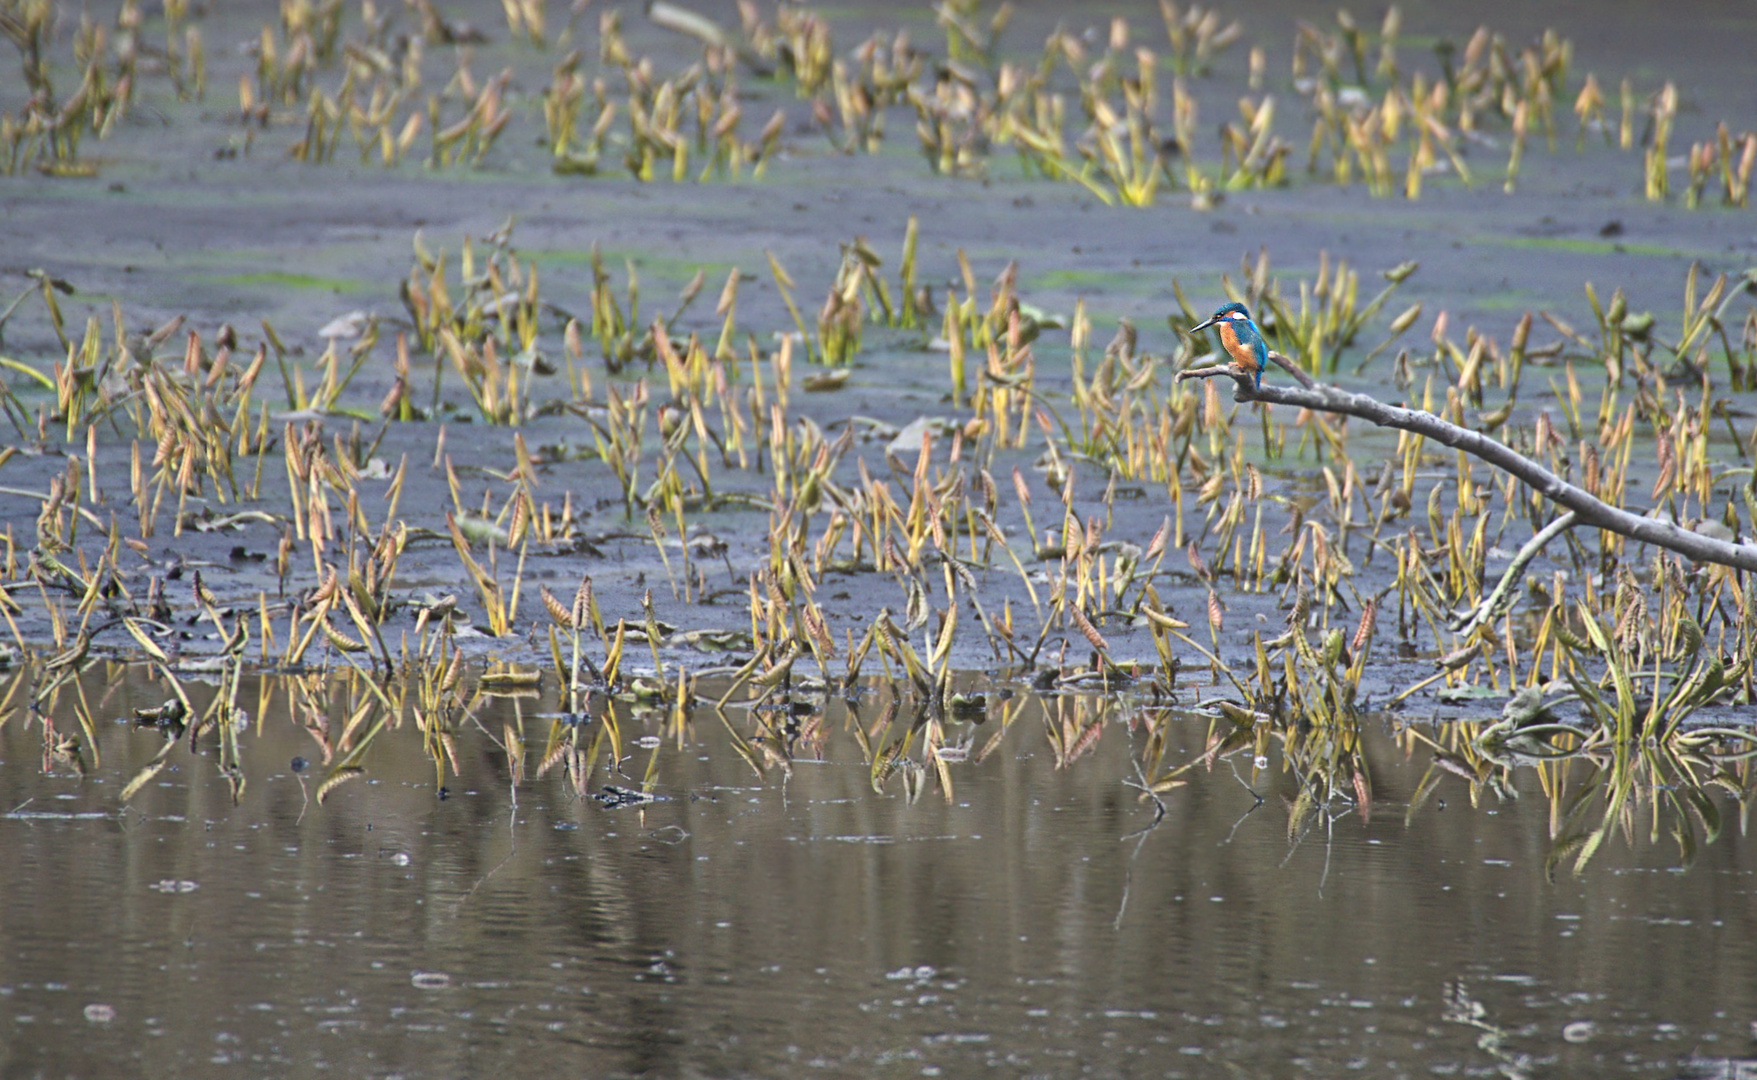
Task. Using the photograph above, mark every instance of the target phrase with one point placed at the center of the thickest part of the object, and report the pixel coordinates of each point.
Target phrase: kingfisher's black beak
(1204, 324)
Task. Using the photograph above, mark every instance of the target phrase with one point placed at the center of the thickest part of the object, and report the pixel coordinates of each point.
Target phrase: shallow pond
(798, 923)
(345, 885)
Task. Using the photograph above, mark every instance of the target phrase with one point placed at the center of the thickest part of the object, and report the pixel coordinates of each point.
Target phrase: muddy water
(797, 923)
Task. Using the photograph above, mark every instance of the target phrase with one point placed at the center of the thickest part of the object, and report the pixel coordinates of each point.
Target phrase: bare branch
(1280, 361)
(1588, 509)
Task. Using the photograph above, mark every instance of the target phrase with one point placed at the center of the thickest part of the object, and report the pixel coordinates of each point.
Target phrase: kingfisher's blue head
(1243, 341)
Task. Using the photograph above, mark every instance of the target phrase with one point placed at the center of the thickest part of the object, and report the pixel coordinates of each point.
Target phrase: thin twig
(1495, 602)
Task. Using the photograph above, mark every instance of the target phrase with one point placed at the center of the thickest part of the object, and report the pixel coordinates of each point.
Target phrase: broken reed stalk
(1589, 510)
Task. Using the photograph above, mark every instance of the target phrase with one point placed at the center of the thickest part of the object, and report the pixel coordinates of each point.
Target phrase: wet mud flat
(587, 567)
(180, 222)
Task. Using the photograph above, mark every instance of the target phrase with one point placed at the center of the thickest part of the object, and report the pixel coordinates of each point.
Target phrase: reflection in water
(734, 898)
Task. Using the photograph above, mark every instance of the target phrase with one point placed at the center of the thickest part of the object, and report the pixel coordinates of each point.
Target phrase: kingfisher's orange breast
(1235, 348)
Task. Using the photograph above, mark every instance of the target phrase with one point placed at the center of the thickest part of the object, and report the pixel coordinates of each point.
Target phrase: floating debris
(613, 797)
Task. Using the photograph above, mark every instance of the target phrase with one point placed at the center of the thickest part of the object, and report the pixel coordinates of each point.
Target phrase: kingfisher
(1243, 341)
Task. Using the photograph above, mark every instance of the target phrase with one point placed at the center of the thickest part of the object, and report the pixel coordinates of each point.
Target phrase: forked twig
(1496, 601)
(1139, 836)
